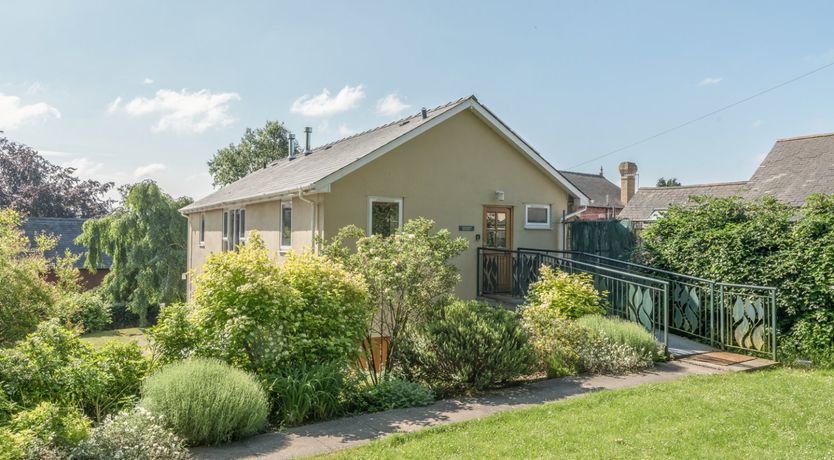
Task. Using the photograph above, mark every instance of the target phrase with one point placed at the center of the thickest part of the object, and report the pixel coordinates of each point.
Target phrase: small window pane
(537, 215)
(286, 226)
(202, 228)
(385, 218)
(242, 224)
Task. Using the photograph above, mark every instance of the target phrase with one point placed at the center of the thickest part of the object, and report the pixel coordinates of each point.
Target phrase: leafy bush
(264, 318)
(134, 435)
(87, 310)
(52, 364)
(409, 275)
(307, 393)
(470, 345)
(175, 335)
(206, 401)
(25, 296)
(762, 242)
(391, 393)
(555, 341)
(49, 426)
(598, 354)
(564, 295)
(622, 332)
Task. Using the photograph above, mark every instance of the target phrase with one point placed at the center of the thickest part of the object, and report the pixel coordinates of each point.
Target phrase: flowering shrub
(206, 401)
(263, 318)
(558, 294)
(133, 435)
(599, 354)
(622, 332)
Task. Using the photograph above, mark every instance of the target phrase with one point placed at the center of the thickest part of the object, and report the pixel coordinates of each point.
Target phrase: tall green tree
(147, 239)
(670, 182)
(256, 149)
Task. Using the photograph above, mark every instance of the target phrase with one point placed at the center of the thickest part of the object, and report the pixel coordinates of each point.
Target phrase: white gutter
(574, 214)
(314, 207)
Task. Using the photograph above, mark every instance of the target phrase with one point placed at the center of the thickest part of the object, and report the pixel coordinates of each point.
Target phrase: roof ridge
(395, 122)
(582, 173)
(712, 184)
(806, 136)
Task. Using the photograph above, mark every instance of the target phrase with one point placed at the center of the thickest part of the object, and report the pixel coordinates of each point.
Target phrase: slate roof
(323, 164)
(66, 229)
(600, 191)
(286, 175)
(796, 168)
(647, 200)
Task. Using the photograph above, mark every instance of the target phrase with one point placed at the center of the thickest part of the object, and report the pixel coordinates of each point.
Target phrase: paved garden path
(320, 438)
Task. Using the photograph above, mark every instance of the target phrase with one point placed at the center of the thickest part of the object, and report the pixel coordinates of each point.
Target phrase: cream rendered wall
(449, 174)
(264, 217)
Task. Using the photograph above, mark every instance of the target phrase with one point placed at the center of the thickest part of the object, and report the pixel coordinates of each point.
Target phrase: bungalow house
(457, 164)
(794, 168)
(66, 230)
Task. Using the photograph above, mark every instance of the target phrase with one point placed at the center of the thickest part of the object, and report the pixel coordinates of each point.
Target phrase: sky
(130, 90)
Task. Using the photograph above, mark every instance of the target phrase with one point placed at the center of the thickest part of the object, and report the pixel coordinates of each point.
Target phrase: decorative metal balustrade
(632, 296)
(729, 316)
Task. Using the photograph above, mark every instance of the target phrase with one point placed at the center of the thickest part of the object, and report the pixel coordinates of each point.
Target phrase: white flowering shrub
(134, 435)
(599, 354)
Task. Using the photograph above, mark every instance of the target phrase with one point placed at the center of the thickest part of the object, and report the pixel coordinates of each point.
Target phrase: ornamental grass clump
(206, 401)
(622, 332)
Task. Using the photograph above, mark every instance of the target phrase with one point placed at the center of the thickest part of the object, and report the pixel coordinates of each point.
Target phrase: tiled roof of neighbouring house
(66, 229)
(600, 191)
(648, 200)
(796, 168)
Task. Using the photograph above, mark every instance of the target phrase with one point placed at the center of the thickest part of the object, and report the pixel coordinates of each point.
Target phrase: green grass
(126, 335)
(770, 414)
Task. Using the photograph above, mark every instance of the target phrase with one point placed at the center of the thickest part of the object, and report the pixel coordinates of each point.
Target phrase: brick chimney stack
(628, 180)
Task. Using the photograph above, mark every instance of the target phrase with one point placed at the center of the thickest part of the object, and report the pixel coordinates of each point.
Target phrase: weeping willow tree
(146, 237)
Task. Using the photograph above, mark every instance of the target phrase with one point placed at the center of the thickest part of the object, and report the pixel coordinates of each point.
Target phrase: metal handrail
(622, 262)
(596, 267)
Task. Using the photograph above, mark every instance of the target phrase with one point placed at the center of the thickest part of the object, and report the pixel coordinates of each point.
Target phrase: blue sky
(128, 90)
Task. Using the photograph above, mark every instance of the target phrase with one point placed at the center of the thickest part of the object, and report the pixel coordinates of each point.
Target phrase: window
(537, 216)
(286, 225)
(234, 228)
(202, 230)
(385, 215)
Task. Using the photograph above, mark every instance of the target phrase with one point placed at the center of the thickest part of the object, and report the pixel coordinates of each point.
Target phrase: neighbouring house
(794, 168)
(603, 197)
(66, 229)
(457, 164)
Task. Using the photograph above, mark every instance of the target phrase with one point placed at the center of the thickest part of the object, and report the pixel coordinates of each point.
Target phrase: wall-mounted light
(499, 195)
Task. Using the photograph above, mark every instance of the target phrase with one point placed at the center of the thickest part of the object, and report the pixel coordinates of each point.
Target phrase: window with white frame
(286, 225)
(537, 216)
(385, 215)
(202, 230)
(234, 228)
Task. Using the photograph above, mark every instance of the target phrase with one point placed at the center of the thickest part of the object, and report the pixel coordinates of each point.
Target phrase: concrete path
(323, 437)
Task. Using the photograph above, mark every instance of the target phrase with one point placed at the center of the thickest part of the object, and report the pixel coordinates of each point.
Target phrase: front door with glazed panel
(498, 234)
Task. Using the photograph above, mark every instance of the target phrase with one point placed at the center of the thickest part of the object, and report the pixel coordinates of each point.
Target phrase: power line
(694, 120)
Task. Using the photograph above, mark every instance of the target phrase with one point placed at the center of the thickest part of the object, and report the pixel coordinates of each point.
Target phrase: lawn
(769, 414)
(126, 335)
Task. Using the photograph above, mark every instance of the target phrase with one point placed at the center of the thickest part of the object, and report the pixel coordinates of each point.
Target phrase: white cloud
(114, 106)
(322, 104)
(185, 111)
(344, 131)
(147, 81)
(85, 168)
(757, 124)
(391, 105)
(147, 170)
(13, 114)
(710, 81)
